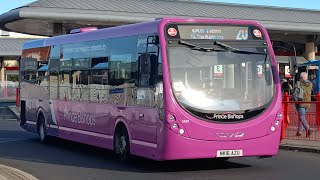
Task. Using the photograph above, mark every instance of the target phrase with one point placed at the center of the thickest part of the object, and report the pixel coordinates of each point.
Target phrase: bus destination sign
(214, 32)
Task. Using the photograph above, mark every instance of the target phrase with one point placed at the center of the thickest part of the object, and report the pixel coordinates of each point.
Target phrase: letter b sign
(218, 71)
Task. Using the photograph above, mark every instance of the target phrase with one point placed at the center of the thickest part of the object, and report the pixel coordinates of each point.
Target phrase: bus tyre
(42, 131)
(122, 144)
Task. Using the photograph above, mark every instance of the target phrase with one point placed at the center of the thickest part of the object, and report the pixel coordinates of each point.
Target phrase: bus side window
(28, 70)
(154, 69)
(99, 71)
(30, 76)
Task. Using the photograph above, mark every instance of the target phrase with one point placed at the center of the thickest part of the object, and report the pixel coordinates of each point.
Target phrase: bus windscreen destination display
(213, 32)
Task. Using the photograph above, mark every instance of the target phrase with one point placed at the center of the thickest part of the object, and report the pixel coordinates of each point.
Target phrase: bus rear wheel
(42, 131)
(121, 143)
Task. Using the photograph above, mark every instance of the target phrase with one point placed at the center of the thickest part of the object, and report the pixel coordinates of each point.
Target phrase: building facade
(10, 50)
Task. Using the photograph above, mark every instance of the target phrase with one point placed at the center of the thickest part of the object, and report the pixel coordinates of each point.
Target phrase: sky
(304, 4)
(7, 5)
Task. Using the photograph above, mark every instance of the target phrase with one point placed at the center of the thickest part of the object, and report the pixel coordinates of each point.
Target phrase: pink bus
(164, 90)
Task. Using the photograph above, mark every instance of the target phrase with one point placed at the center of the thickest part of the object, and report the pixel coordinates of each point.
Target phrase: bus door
(147, 117)
(43, 93)
(28, 79)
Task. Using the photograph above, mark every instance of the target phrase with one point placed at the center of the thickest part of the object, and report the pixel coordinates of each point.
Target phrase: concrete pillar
(57, 29)
(310, 48)
(2, 69)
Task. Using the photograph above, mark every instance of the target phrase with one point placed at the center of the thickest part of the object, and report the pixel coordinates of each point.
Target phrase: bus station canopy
(54, 17)
(11, 46)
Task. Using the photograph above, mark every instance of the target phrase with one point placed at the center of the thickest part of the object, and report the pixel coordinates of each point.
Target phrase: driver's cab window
(149, 79)
(149, 61)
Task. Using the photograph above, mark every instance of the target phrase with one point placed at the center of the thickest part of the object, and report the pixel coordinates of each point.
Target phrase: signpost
(287, 72)
(259, 70)
(218, 71)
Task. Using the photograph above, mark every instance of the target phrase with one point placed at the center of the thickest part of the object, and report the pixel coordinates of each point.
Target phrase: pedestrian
(286, 87)
(302, 92)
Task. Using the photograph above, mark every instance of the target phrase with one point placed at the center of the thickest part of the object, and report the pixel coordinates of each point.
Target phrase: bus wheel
(42, 131)
(121, 143)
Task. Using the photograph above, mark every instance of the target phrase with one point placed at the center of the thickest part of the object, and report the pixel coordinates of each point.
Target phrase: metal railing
(8, 92)
(291, 120)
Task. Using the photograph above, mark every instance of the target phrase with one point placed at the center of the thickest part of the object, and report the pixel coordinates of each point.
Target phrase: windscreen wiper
(235, 50)
(196, 47)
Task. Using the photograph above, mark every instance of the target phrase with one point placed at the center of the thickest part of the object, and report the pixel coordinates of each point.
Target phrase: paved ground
(72, 161)
(5, 113)
(10, 133)
(9, 173)
(6, 100)
(307, 146)
(6, 104)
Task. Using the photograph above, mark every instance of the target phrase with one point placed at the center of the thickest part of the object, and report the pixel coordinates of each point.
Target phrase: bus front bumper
(179, 147)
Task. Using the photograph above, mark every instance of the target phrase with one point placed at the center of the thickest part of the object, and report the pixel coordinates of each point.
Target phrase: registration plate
(229, 153)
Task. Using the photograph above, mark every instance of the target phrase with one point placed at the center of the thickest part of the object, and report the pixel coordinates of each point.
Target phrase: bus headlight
(275, 126)
(175, 126)
(171, 117)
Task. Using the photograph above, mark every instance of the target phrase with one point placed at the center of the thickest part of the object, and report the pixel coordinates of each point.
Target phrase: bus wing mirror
(153, 40)
(268, 76)
(145, 64)
(156, 40)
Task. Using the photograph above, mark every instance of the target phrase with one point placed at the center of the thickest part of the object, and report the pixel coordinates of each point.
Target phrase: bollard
(282, 126)
(283, 119)
(285, 115)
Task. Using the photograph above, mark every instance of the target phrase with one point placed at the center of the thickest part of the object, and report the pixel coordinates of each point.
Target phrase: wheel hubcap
(122, 144)
(41, 132)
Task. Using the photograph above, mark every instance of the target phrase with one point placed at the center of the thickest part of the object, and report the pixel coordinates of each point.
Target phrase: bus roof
(119, 31)
(113, 32)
